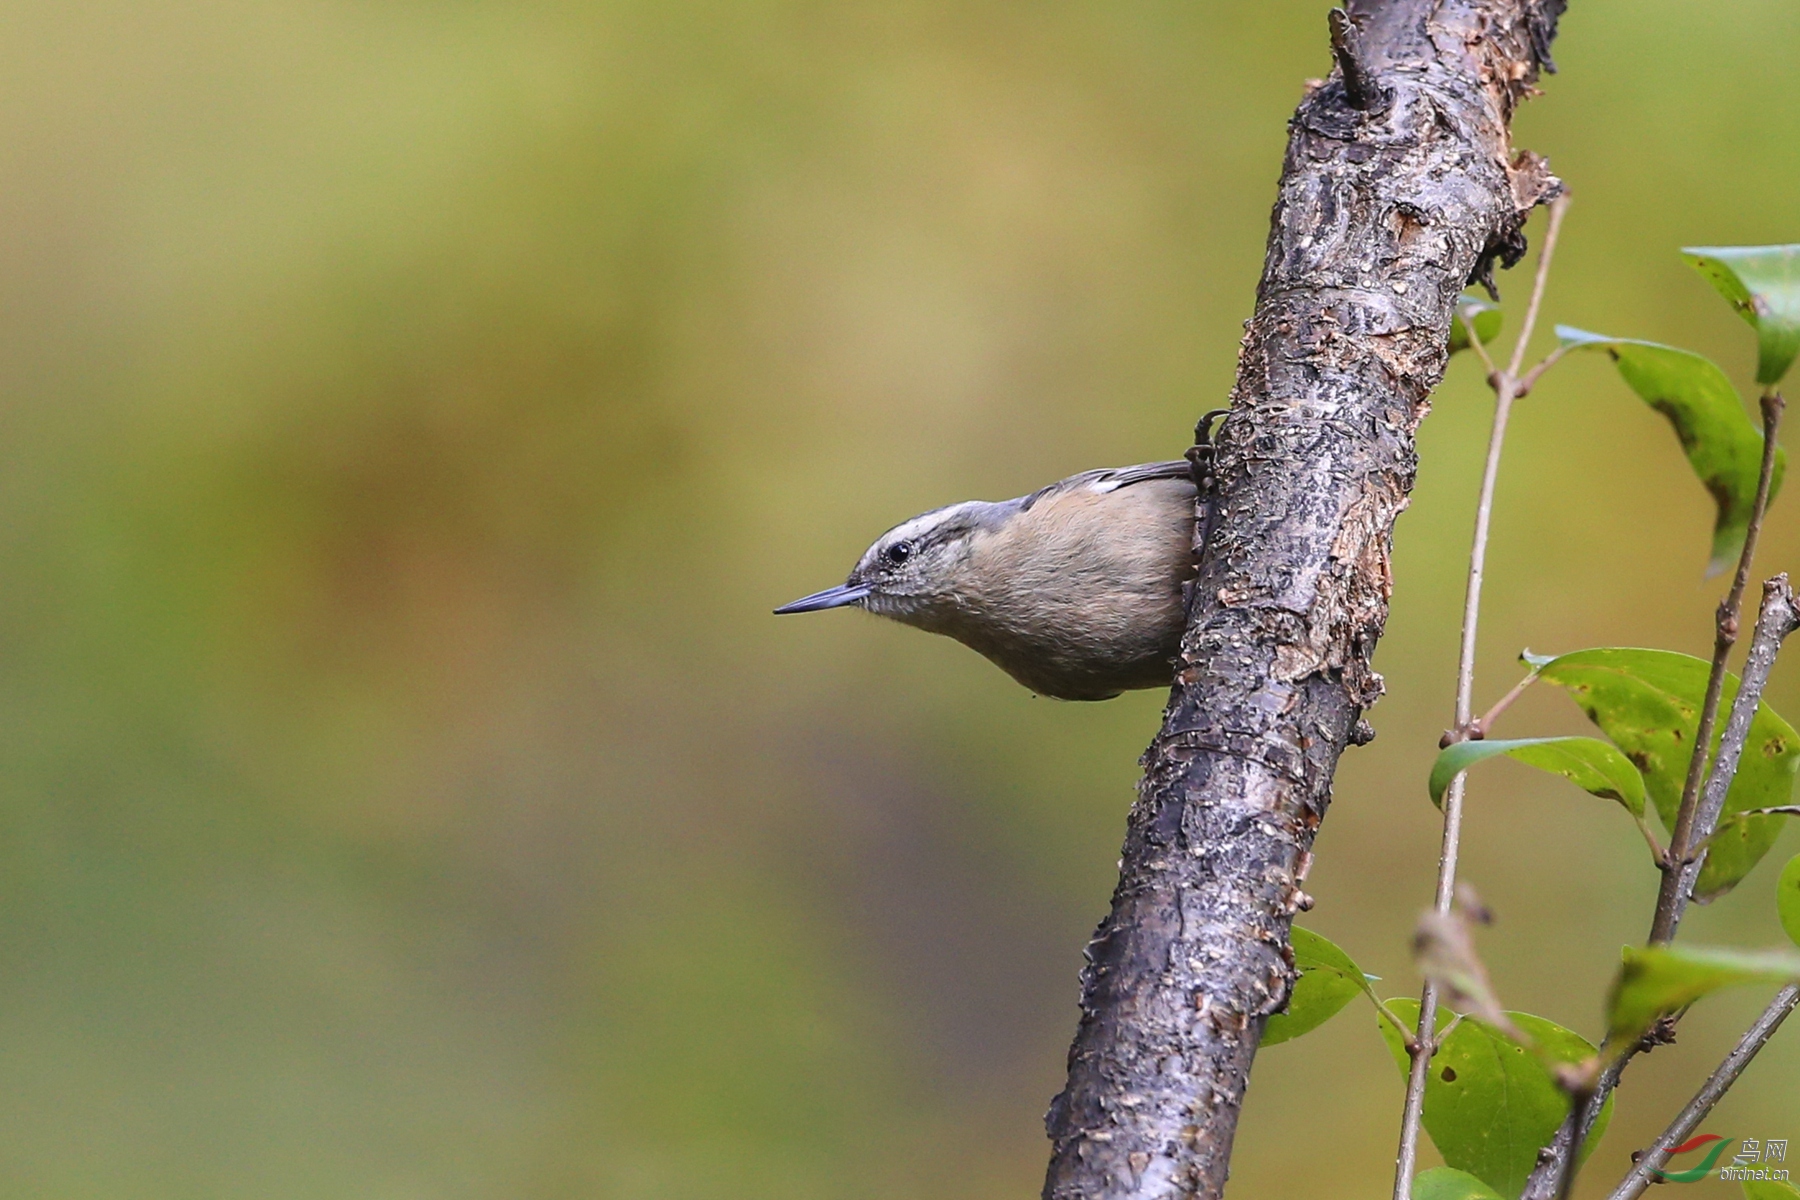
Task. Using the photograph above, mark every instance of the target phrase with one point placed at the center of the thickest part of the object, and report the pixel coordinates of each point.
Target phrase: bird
(1077, 590)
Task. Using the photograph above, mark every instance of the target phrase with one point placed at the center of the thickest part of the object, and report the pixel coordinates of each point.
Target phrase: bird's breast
(1081, 596)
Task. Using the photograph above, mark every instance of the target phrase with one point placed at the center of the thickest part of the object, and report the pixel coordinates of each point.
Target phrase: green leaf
(1655, 980)
(1590, 764)
(1765, 1189)
(1722, 444)
(1763, 284)
(1448, 1183)
(1648, 703)
(1486, 318)
(1328, 980)
(1787, 898)
(1490, 1104)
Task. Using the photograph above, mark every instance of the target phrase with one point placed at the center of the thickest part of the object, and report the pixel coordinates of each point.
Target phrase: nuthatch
(1076, 590)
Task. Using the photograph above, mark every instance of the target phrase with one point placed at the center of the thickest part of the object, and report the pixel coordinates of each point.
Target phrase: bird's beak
(836, 597)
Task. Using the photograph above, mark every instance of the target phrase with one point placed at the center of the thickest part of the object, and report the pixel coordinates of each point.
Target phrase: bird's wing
(1111, 479)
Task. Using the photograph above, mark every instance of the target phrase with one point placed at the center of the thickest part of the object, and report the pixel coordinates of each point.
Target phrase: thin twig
(1477, 345)
(1361, 87)
(1393, 1018)
(1777, 618)
(1582, 1108)
(1657, 854)
(1672, 898)
(1537, 372)
(1558, 207)
(1485, 721)
(1716, 1085)
(1425, 1042)
(1774, 810)
(1547, 1176)
(1780, 616)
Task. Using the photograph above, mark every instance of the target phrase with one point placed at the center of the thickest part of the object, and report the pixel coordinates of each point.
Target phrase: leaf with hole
(1656, 980)
(1763, 285)
(1448, 1183)
(1491, 1104)
(1787, 898)
(1722, 444)
(1648, 703)
(1328, 980)
(1484, 316)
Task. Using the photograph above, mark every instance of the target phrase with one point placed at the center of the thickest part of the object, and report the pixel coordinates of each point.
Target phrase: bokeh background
(411, 412)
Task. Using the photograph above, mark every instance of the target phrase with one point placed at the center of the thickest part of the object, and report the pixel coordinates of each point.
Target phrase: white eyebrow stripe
(928, 522)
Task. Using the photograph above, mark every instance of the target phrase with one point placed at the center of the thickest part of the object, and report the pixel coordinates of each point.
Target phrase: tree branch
(1780, 616)
(1384, 214)
(1678, 880)
(1710, 1093)
(1505, 384)
(1777, 618)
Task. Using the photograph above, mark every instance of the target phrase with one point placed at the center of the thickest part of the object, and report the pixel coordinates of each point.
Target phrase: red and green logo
(1706, 1164)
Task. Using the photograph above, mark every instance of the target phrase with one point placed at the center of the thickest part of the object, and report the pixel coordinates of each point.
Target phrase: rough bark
(1398, 189)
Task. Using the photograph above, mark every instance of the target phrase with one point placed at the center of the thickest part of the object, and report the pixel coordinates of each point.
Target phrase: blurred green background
(412, 412)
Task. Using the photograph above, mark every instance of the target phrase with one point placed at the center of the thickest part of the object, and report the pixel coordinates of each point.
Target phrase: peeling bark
(1399, 189)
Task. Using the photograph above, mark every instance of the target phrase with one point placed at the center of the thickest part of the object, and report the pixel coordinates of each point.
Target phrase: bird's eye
(898, 553)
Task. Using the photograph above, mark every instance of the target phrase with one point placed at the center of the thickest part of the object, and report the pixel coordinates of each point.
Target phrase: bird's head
(916, 571)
